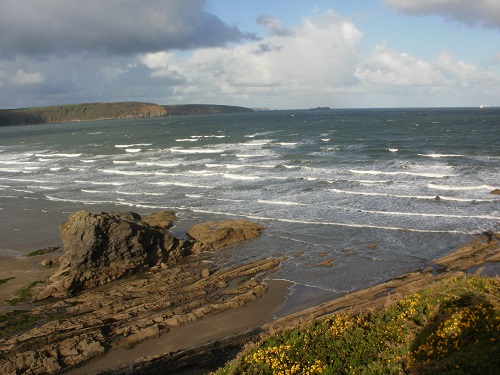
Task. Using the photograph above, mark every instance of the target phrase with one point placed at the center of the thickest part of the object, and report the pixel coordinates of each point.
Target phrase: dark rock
(496, 191)
(102, 247)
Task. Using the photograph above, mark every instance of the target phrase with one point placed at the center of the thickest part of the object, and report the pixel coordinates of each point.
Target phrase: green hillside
(106, 111)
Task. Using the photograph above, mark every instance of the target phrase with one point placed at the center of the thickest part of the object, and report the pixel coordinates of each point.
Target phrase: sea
(351, 197)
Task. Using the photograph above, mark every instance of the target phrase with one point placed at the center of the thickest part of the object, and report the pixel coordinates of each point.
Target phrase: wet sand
(24, 270)
(199, 332)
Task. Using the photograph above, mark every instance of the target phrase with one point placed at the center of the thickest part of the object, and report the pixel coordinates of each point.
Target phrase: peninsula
(107, 111)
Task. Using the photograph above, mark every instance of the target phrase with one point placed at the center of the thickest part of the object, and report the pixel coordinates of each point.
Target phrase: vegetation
(3, 281)
(102, 111)
(452, 327)
(42, 251)
(21, 320)
(23, 294)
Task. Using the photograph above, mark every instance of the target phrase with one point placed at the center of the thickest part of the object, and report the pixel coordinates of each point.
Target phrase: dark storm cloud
(470, 12)
(34, 27)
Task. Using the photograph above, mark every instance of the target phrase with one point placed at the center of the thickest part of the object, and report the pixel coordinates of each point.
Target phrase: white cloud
(441, 81)
(23, 78)
(471, 12)
(304, 64)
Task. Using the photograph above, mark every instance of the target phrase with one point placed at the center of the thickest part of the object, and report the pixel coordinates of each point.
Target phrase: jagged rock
(212, 235)
(102, 247)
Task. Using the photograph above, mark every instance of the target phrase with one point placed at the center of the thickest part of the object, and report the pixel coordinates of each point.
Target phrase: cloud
(470, 12)
(274, 26)
(23, 78)
(441, 81)
(121, 27)
(306, 63)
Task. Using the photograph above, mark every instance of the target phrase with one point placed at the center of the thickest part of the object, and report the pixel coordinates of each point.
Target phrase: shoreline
(270, 312)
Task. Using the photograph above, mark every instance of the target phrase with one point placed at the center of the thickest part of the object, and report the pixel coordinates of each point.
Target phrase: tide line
(350, 225)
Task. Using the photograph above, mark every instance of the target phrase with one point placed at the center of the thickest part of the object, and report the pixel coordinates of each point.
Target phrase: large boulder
(102, 247)
(212, 235)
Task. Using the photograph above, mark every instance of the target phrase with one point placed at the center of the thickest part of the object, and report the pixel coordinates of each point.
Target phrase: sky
(277, 54)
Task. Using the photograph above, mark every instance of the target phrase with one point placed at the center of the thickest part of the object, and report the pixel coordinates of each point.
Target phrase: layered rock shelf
(142, 290)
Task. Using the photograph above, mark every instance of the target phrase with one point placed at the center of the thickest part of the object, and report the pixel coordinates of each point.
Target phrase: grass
(3, 281)
(23, 294)
(43, 251)
(452, 327)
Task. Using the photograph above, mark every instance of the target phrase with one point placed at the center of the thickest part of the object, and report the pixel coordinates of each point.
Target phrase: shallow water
(326, 184)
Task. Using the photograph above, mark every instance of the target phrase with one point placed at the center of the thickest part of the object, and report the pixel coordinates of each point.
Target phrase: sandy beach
(23, 270)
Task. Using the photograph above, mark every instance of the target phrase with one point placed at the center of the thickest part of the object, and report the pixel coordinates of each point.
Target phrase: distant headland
(107, 111)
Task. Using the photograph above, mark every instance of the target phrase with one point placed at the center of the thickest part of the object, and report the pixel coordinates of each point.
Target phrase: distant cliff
(106, 111)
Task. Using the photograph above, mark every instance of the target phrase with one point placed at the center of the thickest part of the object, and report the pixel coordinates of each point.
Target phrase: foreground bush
(452, 327)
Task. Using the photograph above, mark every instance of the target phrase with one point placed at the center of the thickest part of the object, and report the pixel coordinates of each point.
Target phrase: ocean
(351, 197)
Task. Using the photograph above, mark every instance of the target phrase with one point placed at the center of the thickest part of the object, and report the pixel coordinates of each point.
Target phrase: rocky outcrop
(212, 235)
(128, 312)
(104, 247)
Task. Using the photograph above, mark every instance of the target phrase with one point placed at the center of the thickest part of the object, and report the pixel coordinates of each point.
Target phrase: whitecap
(454, 187)
(196, 150)
(441, 155)
(393, 149)
(133, 150)
(183, 184)
(134, 145)
(126, 173)
(156, 164)
(421, 174)
(240, 177)
(281, 203)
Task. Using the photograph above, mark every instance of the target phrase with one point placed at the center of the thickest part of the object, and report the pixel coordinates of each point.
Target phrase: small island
(107, 111)
(320, 109)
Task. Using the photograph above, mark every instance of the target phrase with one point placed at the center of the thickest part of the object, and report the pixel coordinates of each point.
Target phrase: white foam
(187, 140)
(240, 177)
(156, 164)
(91, 191)
(441, 155)
(131, 173)
(421, 174)
(134, 145)
(58, 155)
(133, 150)
(459, 188)
(205, 173)
(427, 197)
(280, 203)
(183, 184)
(393, 149)
(351, 225)
(196, 150)
(246, 156)
(123, 162)
(398, 213)
(100, 183)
